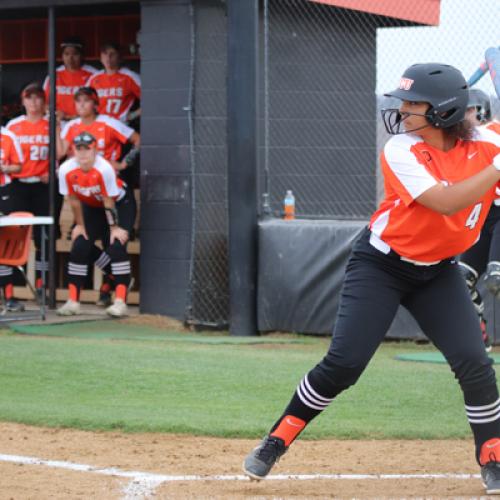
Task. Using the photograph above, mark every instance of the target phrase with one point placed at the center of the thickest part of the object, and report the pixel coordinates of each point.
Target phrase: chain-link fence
(209, 273)
(323, 72)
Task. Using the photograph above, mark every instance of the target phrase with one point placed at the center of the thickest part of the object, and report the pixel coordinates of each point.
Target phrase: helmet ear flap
(441, 120)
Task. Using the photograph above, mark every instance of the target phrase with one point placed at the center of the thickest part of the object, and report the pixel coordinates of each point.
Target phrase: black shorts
(96, 223)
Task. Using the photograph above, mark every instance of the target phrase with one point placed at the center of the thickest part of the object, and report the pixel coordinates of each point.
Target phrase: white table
(6, 221)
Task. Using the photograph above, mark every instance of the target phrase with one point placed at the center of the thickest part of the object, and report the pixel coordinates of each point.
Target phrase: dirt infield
(187, 455)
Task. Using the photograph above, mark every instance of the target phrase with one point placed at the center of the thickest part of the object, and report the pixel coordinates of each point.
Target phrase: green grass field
(106, 375)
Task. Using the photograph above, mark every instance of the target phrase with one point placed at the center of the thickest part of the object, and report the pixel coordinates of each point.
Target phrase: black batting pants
(375, 285)
(114, 259)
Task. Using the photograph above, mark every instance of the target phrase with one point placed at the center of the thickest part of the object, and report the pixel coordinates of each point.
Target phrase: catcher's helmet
(481, 101)
(440, 85)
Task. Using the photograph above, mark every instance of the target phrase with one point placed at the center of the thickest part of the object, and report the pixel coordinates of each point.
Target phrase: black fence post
(52, 154)
(242, 108)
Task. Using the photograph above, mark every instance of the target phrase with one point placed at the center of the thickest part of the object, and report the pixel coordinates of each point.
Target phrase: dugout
(183, 61)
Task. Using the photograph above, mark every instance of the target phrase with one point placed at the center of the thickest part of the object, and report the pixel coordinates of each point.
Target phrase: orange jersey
(10, 153)
(67, 83)
(34, 140)
(90, 187)
(109, 133)
(411, 167)
(117, 92)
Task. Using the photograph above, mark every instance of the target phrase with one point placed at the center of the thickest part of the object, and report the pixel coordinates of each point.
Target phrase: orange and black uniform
(67, 83)
(10, 154)
(90, 187)
(29, 193)
(117, 91)
(110, 134)
(406, 257)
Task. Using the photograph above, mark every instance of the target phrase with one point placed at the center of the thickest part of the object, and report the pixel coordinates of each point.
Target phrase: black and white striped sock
(483, 414)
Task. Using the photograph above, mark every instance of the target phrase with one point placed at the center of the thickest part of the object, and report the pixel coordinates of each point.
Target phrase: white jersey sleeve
(65, 129)
(484, 134)
(403, 163)
(120, 127)
(66, 167)
(108, 176)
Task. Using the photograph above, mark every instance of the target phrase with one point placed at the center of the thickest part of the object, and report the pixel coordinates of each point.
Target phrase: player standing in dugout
(118, 87)
(70, 76)
(103, 210)
(440, 175)
(30, 188)
(11, 159)
(110, 133)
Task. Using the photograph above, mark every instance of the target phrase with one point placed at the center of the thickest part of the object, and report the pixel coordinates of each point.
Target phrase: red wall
(25, 40)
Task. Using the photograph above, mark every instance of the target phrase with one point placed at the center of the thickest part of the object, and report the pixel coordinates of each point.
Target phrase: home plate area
(60, 463)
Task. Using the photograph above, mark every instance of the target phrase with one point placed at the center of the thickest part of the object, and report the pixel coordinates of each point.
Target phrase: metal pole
(242, 110)
(52, 154)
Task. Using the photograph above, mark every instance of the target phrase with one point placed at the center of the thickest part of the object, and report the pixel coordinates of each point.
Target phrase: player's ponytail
(463, 130)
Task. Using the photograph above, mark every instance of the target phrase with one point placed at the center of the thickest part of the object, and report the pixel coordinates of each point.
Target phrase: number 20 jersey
(34, 140)
(410, 167)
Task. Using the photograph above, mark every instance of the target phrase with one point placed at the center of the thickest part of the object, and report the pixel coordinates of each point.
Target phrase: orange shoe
(489, 459)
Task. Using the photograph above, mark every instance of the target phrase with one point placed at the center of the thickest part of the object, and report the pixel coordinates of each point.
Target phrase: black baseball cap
(72, 41)
(33, 88)
(84, 139)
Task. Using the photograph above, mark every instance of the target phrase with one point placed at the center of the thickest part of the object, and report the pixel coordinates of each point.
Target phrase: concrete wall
(165, 157)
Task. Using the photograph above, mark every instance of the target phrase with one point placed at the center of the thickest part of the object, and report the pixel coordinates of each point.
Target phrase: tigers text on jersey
(10, 153)
(67, 83)
(117, 92)
(411, 167)
(110, 134)
(34, 140)
(90, 187)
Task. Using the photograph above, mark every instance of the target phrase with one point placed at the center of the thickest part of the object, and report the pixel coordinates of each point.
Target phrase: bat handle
(478, 74)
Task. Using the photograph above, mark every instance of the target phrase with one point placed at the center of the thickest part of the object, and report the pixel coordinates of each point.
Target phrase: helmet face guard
(442, 86)
(393, 121)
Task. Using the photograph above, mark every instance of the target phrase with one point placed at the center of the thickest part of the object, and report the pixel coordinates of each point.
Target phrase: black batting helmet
(481, 101)
(441, 85)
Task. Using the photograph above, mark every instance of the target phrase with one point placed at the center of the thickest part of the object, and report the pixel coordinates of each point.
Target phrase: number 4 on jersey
(473, 218)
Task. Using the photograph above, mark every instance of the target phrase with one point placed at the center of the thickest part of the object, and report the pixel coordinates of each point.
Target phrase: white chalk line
(143, 484)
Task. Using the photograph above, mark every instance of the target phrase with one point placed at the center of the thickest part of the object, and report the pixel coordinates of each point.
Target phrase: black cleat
(490, 474)
(13, 305)
(260, 460)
